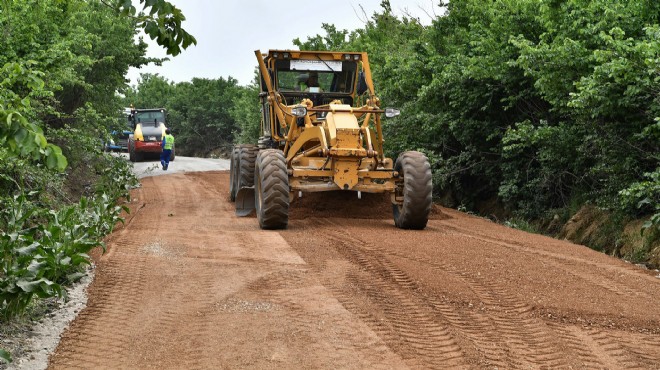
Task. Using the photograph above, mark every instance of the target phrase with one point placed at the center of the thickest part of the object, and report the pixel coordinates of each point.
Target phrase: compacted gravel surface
(186, 284)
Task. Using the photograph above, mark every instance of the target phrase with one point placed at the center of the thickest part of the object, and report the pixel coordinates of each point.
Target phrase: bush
(644, 198)
(42, 249)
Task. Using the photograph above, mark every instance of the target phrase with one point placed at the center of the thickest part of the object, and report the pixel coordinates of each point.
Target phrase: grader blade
(245, 201)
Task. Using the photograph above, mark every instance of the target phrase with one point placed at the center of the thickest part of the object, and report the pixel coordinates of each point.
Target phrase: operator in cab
(312, 82)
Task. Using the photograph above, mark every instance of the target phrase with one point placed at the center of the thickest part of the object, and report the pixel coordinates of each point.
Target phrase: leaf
(49, 289)
(28, 250)
(29, 286)
(51, 161)
(75, 276)
(5, 356)
(151, 29)
(81, 258)
(643, 202)
(20, 136)
(40, 140)
(62, 162)
(35, 267)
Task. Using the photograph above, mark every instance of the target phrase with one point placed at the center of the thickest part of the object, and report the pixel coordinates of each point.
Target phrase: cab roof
(313, 55)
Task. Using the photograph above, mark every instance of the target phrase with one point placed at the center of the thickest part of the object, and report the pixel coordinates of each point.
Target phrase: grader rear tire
(417, 190)
(247, 156)
(233, 174)
(272, 190)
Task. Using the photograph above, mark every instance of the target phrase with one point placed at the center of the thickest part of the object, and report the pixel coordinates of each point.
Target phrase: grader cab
(321, 131)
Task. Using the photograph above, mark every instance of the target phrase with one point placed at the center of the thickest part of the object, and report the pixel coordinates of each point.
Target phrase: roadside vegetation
(63, 64)
(542, 115)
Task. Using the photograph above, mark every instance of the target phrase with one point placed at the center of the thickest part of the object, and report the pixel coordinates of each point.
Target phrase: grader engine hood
(345, 145)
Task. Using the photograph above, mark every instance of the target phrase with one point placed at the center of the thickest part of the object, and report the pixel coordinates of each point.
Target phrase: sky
(228, 32)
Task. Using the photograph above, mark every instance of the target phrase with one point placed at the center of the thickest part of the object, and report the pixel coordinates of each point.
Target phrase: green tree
(199, 111)
(159, 19)
(63, 63)
(246, 113)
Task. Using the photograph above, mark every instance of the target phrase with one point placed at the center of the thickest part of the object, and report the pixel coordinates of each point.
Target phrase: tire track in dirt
(405, 323)
(613, 344)
(587, 344)
(569, 264)
(114, 303)
(503, 321)
(522, 333)
(613, 278)
(285, 291)
(186, 284)
(494, 325)
(576, 341)
(412, 329)
(139, 251)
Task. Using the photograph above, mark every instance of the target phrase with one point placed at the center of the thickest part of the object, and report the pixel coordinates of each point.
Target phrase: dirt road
(186, 284)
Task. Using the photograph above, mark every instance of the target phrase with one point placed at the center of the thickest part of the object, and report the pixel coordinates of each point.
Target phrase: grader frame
(323, 138)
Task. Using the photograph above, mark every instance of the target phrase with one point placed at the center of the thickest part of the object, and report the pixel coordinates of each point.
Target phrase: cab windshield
(316, 76)
(159, 116)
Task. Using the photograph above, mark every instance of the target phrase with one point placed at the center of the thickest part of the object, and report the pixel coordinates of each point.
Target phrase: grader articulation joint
(321, 131)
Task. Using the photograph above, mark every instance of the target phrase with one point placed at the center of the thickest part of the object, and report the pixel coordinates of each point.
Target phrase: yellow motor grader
(321, 131)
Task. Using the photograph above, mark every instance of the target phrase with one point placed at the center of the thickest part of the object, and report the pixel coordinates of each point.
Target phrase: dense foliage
(537, 106)
(160, 20)
(62, 64)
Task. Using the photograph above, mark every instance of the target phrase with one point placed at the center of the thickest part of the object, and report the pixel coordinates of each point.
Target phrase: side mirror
(362, 84)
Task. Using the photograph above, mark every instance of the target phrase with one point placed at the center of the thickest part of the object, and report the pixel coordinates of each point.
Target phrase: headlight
(391, 112)
(299, 111)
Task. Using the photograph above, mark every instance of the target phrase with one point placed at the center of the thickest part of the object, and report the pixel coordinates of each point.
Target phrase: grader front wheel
(272, 189)
(416, 189)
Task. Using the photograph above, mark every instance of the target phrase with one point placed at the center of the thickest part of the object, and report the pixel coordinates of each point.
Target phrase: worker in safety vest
(168, 145)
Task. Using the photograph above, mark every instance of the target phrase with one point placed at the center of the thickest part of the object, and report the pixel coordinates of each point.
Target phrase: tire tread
(273, 180)
(417, 191)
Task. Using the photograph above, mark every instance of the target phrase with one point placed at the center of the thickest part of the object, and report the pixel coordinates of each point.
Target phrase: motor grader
(321, 131)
